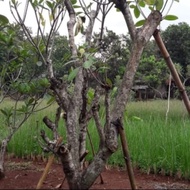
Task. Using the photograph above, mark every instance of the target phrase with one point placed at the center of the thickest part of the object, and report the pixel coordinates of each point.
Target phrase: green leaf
(42, 19)
(44, 82)
(50, 17)
(7, 112)
(90, 95)
(49, 4)
(73, 74)
(103, 69)
(24, 88)
(89, 62)
(141, 3)
(136, 12)
(170, 17)
(4, 19)
(114, 91)
(34, 3)
(78, 13)
(52, 99)
(159, 4)
(109, 82)
(149, 2)
(136, 118)
(132, 6)
(76, 6)
(29, 101)
(14, 2)
(151, 8)
(140, 23)
(3, 112)
(73, 2)
(77, 28)
(23, 109)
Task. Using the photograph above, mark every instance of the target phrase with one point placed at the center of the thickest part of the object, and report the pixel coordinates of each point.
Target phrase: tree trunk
(78, 179)
(2, 158)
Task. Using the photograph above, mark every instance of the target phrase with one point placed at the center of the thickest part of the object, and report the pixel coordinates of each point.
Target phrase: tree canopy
(176, 38)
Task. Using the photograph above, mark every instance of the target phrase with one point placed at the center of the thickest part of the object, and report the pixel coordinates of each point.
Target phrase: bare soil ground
(23, 174)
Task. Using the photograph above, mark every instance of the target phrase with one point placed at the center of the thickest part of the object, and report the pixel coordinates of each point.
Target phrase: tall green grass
(156, 143)
(27, 140)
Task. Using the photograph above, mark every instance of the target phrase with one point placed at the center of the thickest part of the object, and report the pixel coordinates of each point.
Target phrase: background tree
(11, 59)
(151, 71)
(19, 62)
(60, 55)
(115, 50)
(176, 38)
(18, 80)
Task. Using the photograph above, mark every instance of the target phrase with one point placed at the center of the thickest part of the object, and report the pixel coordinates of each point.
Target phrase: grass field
(157, 143)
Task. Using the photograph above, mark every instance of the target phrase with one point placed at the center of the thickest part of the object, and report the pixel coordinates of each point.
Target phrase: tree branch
(123, 6)
(70, 25)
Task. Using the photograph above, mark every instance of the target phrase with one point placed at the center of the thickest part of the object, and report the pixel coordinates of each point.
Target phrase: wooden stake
(172, 69)
(46, 170)
(126, 155)
(48, 165)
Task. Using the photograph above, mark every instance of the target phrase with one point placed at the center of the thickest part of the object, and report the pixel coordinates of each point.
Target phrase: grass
(156, 144)
(27, 140)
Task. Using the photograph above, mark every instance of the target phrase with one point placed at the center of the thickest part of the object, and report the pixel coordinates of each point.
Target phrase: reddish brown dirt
(23, 174)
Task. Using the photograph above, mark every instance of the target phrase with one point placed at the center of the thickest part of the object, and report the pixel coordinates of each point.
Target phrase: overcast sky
(114, 21)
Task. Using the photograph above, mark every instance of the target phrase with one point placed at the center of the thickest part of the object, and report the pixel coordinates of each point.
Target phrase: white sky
(114, 20)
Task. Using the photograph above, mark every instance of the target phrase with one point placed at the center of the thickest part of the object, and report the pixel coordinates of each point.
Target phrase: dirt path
(22, 174)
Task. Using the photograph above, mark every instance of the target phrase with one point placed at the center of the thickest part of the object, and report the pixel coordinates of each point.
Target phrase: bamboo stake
(125, 149)
(46, 170)
(171, 66)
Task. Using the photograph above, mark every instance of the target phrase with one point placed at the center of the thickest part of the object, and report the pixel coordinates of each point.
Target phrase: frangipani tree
(74, 103)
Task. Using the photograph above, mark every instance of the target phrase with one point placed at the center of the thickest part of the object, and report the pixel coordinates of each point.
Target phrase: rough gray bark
(78, 179)
(142, 37)
(2, 157)
(84, 116)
